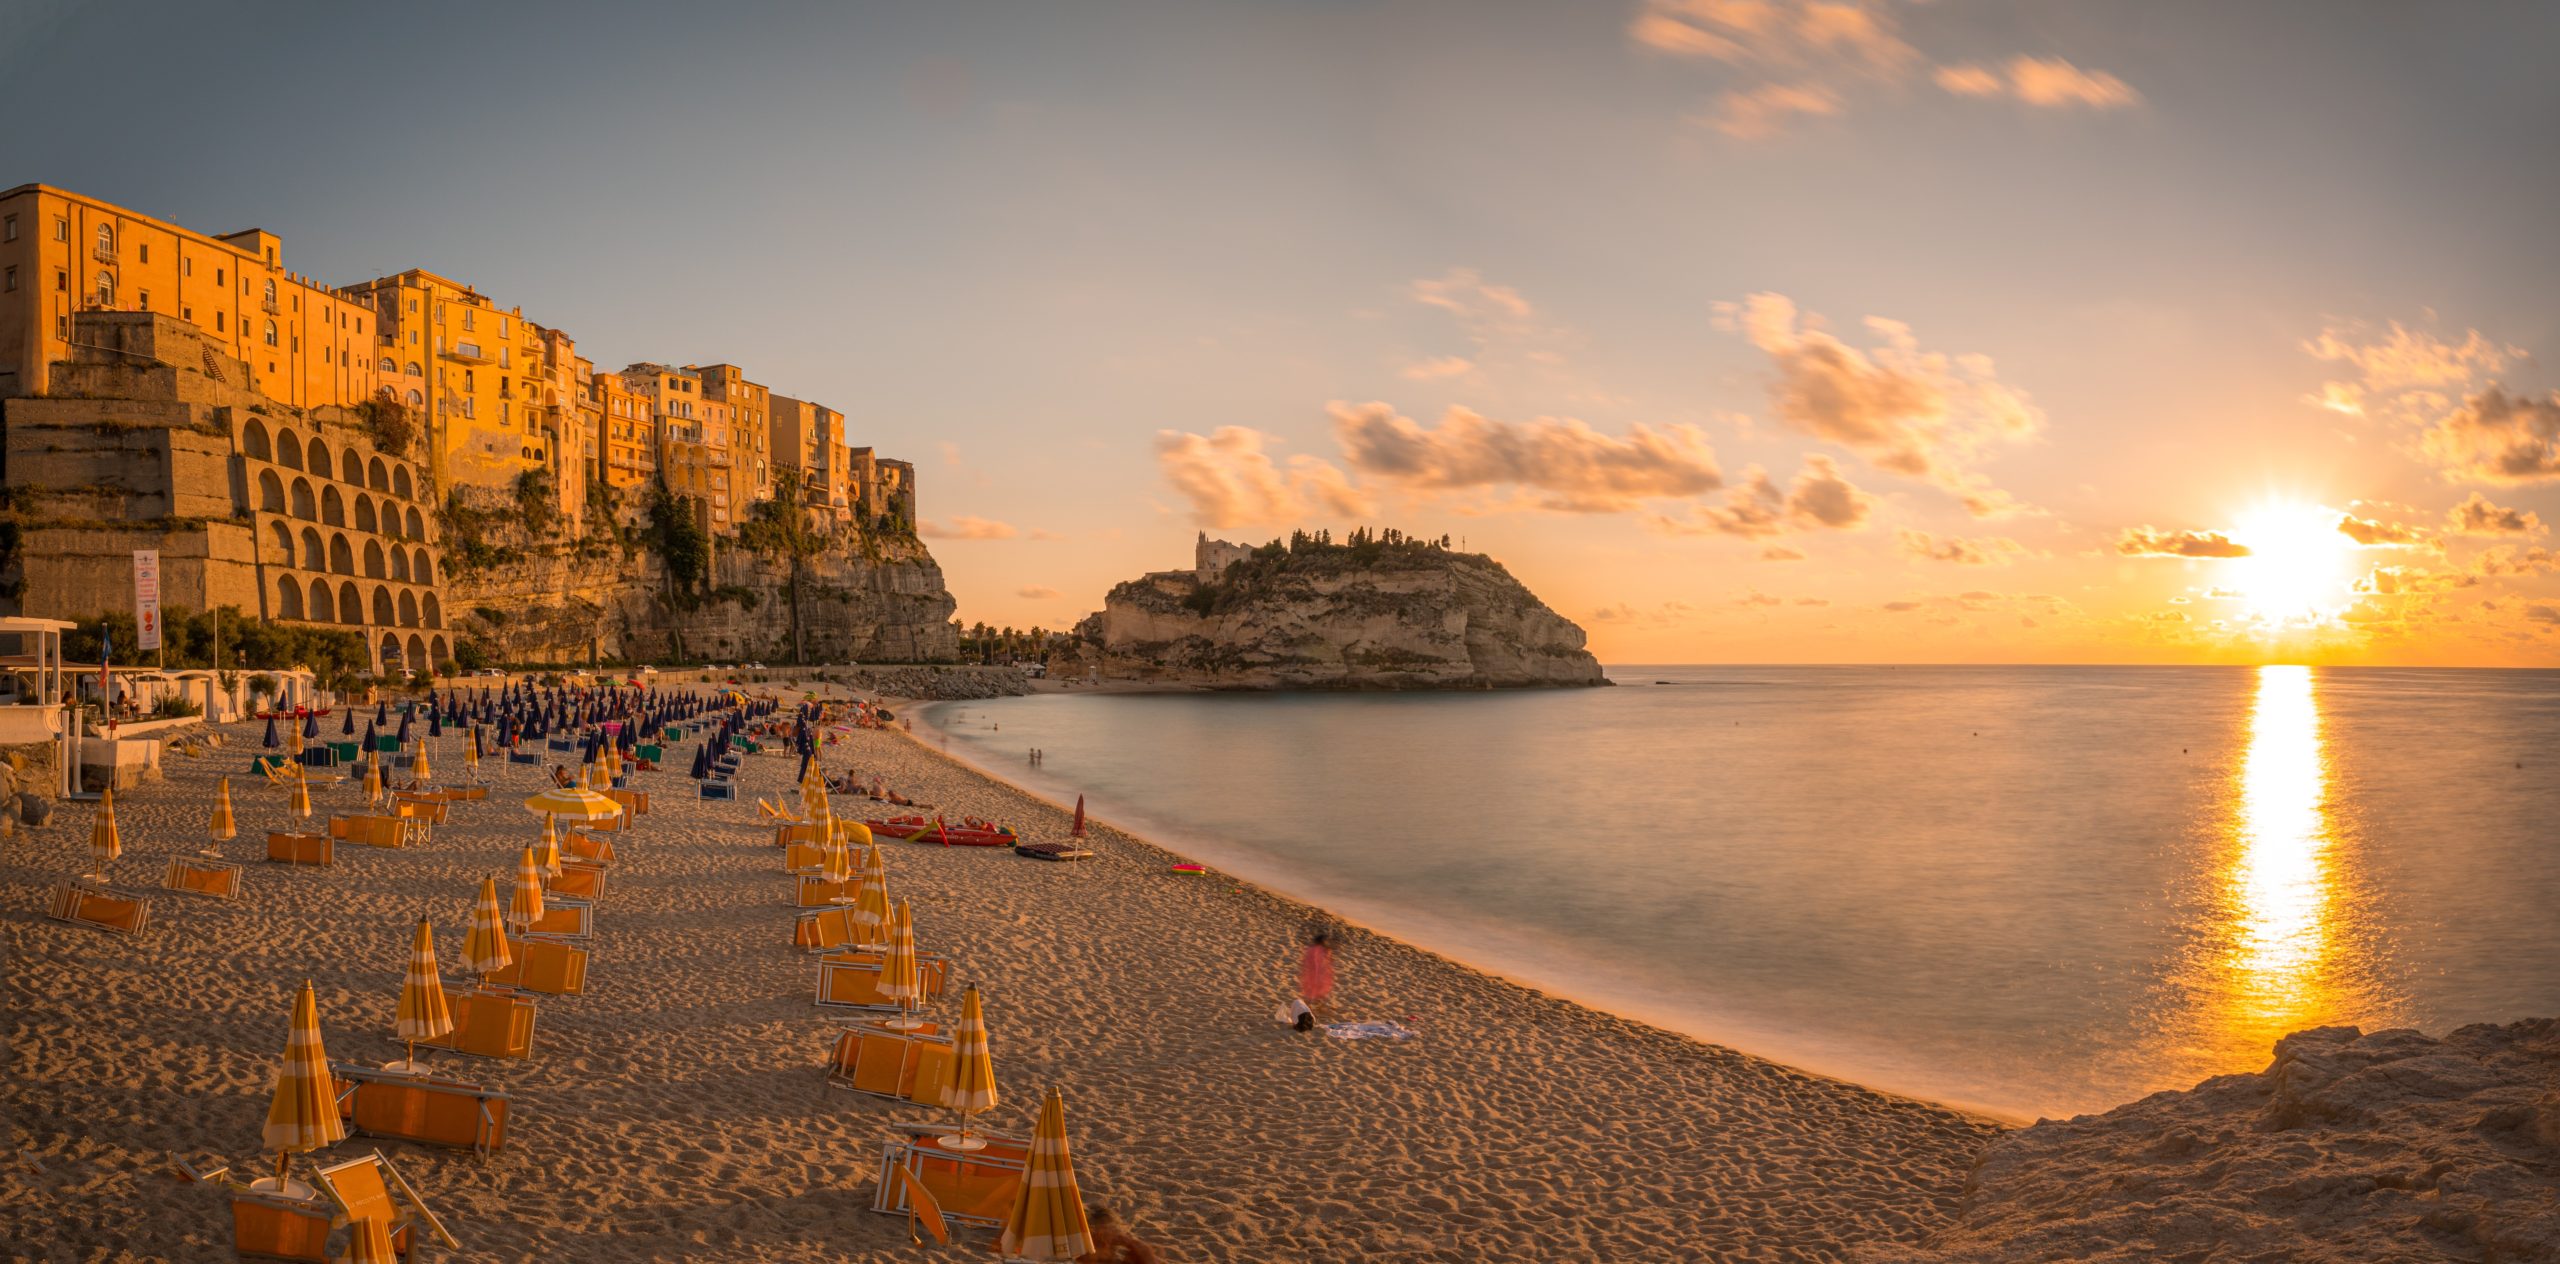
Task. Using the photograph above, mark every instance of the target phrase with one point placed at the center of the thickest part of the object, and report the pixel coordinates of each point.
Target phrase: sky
(1740, 330)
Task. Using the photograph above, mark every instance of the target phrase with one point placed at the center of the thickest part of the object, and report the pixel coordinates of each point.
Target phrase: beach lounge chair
(823, 930)
(427, 1109)
(372, 831)
(347, 752)
(100, 907)
(788, 832)
(270, 1224)
(523, 757)
(715, 790)
(815, 891)
(545, 964)
(372, 1197)
(201, 876)
(588, 847)
(907, 1066)
(851, 980)
(301, 849)
(489, 1024)
(804, 858)
(634, 802)
(585, 881)
(429, 806)
(971, 1186)
(275, 768)
(566, 918)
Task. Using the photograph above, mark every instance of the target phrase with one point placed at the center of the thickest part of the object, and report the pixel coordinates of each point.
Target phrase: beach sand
(676, 1111)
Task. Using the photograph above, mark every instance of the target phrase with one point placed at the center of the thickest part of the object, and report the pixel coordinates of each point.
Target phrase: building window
(142, 300)
(271, 333)
(415, 399)
(144, 250)
(61, 281)
(61, 229)
(9, 229)
(61, 326)
(13, 279)
(106, 289)
(220, 277)
(186, 313)
(271, 293)
(219, 322)
(186, 265)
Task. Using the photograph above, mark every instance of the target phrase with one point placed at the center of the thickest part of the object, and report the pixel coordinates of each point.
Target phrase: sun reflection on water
(2280, 887)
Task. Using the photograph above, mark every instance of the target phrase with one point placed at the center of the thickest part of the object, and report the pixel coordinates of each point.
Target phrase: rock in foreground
(1376, 613)
(2350, 1147)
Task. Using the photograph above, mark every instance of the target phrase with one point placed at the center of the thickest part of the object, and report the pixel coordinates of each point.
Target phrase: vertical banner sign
(146, 598)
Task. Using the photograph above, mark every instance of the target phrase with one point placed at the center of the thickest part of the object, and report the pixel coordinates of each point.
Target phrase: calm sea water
(2028, 890)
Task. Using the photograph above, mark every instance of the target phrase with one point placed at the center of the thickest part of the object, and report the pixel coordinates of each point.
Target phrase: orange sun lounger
(202, 876)
(851, 980)
(971, 1186)
(634, 802)
(372, 831)
(910, 1066)
(587, 847)
(372, 1197)
(301, 849)
(804, 858)
(823, 930)
(100, 908)
(421, 805)
(814, 891)
(427, 1109)
(490, 1025)
(789, 832)
(566, 918)
(552, 966)
(583, 881)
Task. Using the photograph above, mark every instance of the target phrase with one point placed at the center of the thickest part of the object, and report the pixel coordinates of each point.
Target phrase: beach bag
(1296, 1016)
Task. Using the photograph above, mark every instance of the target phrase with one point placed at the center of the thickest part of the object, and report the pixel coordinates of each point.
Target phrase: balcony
(464, 353)
(103, 253)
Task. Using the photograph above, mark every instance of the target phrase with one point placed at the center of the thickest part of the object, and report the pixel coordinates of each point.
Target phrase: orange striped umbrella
(973, 1071)
(471, 755)
(871, 900)
(301, 805)
(304, 1113)
(372, 783)
(293, 740)
(838, 864)
(223, 829)
(526, 907)
(1048, 1211)
(421, 769)
(900, 981)
(485, 949)
(550, 849)
(105, 841)
(423, 1015)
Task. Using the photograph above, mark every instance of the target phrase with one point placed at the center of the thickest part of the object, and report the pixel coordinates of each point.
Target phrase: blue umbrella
(404, 727)
(347, 727)
(435, 724)
(382, 712)
(310, 726)
(369, 733)
(272, 741)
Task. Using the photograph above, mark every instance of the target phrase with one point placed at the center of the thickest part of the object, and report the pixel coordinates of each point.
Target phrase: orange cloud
(2497, 437)
(2476, 516)
(1987, 551)
(1755, 509)
(2048, 82)
(2375, 533)
(1436, 368)
(1231, 482)
(1035, 592)
(1579, 469)
(2153, 542)
(1764, 111)
(967, 527)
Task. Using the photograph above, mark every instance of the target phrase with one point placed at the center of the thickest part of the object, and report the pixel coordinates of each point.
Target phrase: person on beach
(1112, 1244)
(1315, 974)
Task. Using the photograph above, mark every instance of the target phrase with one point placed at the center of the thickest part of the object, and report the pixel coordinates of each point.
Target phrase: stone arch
(270, 492)
(400, 564)
(378, 476)
(422, 569)
(390, 650)
(365, 521)
(333, 507)
(323, 609)
(390, 365)
(432, 611)
(436, 652)
(342, 556)
(351, 470)
(253, 441)
(417, 526)
(400, 484)
(315, 556)
(382, 614)
(288, 598)
(350, 605)
(288, 448)
(416, 400)
(408, 609)
(282, 535)
(320, 462)
(302, 500)
(373, 559)
(418, 654)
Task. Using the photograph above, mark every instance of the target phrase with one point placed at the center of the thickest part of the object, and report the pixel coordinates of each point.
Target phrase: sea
(2026, 891)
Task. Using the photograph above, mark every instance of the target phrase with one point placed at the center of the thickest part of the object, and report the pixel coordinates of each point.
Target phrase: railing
(467, 352)
(268, 306)
(103, 253)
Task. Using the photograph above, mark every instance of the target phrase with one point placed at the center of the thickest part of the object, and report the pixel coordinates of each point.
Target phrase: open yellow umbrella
(575, 802)
(423, 1015)
(871, 899)
(301, 804)
(526, 907)
(973, 1070)
(105, 843)
(1048, 1221)
(304, 1114)
(900, 981)
(485, 950)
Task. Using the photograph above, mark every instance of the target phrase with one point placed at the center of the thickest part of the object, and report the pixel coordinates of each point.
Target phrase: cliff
(1372, 614)
(2388, 1146)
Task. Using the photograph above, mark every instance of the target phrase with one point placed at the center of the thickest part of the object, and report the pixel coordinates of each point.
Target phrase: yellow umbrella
(871, 899)
(293, 740)
(900, 981)
(372, 783)
(485, 949)
(526, 907)
(301, 805)
(550, 849)
(838, 868)
(575, 802)
(855, 833)
(105, 844)
(471, 755)
(422, 771)
(223, 830)
(973, 1071)
(1048, 1221)
(304, 1114)
(423, 1015)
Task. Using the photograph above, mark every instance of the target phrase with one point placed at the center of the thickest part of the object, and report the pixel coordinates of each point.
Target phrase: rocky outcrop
(1391, 614)
(2350, 1147)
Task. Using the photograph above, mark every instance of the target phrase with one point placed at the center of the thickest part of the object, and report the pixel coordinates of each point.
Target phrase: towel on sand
(1374, 1030)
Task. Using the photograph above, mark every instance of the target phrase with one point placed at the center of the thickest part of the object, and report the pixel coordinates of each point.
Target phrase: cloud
(2048, 82)
(2516, 560)
(1781, 553)
(1231, 482)
(1755, 508)
(2540, 613)
(1902, 607)
(1436, 368)
(2496, 437)
(1579, 469)
(1922, 415)
(1043, 533)
(2153, 542)
(1035, 592)
(1465, 293)
(1987, 551)
(2398, 581)
(1764, 111)
(2375, 533)
(1844, 36)
(967, 527)
(2476, 516)
(1755, 597)
(2406, 359)
(1813, 601)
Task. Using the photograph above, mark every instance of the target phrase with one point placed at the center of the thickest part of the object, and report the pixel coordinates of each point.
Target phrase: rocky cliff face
(1321, 616)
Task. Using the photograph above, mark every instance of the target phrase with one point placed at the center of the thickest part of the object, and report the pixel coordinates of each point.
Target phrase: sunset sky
(1740, 330)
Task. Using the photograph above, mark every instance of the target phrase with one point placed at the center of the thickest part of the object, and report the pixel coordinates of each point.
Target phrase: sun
(2300, 567)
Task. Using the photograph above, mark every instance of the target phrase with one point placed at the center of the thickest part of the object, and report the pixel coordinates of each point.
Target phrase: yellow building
(750, 440)
(693, 438)
(808, 439)
(492, 381)
(304, 343)
(627, 433)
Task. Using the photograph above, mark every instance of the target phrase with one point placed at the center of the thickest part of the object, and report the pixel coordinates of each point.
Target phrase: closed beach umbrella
(550, 849)
(223, 829)
(1048, 1210)
(838, 867)
(301, 805)
(422, 770)
(105, 843)
(423, 1015)
(304, 1112)
(311, 724)
(382, 711)
(293, 741)
(526, 906)
(871, 914)
(900, 981)
(1078, 831)
(271, 741)
(347, 725)
(484, 950)
(372, 783)
(405, 715)
(973, 1068)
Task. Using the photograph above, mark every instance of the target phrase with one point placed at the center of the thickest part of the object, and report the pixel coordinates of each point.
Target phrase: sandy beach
(675, 1111)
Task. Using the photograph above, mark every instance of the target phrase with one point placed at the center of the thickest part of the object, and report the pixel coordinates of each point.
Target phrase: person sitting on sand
(1112, 1244)
(1315, 973)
